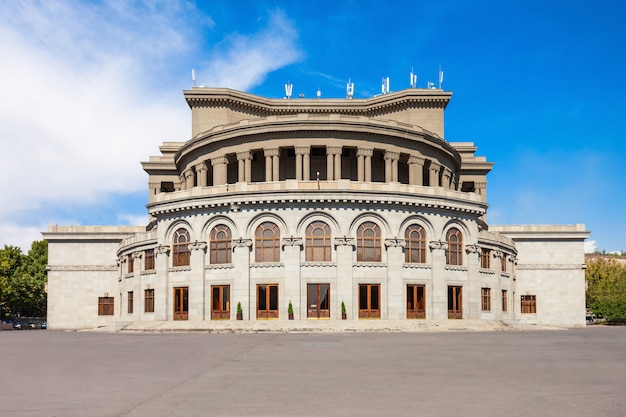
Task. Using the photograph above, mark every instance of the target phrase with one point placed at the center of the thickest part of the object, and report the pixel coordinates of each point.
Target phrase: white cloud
(88, 92)
(591, 246)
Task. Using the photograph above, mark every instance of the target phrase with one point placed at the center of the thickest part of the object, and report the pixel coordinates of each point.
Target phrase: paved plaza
(578, 372)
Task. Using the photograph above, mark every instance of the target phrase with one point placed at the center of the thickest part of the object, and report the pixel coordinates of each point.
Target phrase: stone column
(276, 166)
(241, 286)
(330, 165)
(439, 291)
(201, 170)
(162, 291)
(434, 174)
(396, 309)
(244, 166)
(271, 164)
(472, 293)
(364, 164)
(292, 248)
(344, 249)
(303, 164)
(391, 166)
(447, 178)
(197, 288)
(220, 164)
(416, 169)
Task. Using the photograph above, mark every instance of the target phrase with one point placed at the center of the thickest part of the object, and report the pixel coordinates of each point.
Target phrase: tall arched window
(415, 244)
(368, 245)
(220, 245)
(180, 247)
(267, 243)
(454, 253)
(317, 245)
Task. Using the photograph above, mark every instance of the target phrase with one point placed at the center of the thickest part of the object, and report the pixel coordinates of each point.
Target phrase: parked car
(17, 325)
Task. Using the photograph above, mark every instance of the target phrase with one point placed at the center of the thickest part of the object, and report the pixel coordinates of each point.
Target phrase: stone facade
(316, 204)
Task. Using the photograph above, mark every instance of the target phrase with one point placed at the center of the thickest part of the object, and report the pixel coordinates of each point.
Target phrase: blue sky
(89, 89)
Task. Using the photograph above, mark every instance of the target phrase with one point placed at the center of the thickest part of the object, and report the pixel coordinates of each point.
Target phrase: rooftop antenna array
(319, 93)
(413, 81)
(349, 89)
(440, 77)
(385, 86)
(288, 89)
(193, 76)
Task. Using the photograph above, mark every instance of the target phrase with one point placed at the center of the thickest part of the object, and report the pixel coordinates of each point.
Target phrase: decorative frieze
(138, 255)
(413, 265)
(219, 266)
(473, 249)
(318, 264)
(197, 245)
(344, 241)
(242, 243)
(438, 245)
(82, 268)
(550, 267)
(162, 250)
(292, 241)
(395, 243)
(267, 265)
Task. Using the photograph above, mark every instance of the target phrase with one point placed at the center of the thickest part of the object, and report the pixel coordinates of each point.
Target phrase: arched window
(368, 245)
(415, 244)
(267, 243)
(317, 243)
(220, 245)
(180, 247)
(454, 254)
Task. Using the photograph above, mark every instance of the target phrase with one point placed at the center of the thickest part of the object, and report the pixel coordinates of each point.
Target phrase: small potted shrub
(343, 311)
(290, 311)
(239, 311)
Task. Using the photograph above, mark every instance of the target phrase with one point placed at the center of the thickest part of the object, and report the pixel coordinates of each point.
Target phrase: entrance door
(318, 301)
(415, 302)
(267, 301)
(455, 302)
(369, 301)
(220, 309)
(181, 303)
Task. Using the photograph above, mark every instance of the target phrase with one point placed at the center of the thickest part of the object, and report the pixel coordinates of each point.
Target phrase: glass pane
(312, 296)
(374, 297)
(363, 297)
(226, 298)
(274, 297)
(216, 298)
(410, 301)
(420, 297)
(185, 299)
(262, 300)
(324, 296)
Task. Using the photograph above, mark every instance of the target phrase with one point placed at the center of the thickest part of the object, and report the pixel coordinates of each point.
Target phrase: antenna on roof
(193, 76)
(319, 92)
(385, 87)
(413, 81)
(440, 77)
(288, 88)
(349, 89)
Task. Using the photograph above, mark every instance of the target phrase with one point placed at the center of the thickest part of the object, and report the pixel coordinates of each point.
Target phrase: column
(271, 164)
(335, 161)
(201, 170)
(434, 174)
(438, 306)
(292, 248)
(391, 166)
(416, 169)
(396, 309)
(240, 293)
(344, 248)
(276, 166)
(364, 164)
(197, 289)
(162, 291)
(244, 166)
(189, 178)
(330, 165)
(447, 178)
(303, 165)
(220, 165)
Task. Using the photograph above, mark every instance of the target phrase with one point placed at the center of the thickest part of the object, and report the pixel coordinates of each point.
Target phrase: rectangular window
(503, 263)
(149, 301)
(484, 258)
(486, 299)
(529, 304)
(149, 260)
(131, 263)
(106, 306)
(130, 302)
(505, 301)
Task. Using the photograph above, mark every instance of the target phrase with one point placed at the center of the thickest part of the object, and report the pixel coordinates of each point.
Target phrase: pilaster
(439, 296)
(395, 290)
(162, 290)
(344, 247)
(292, 248)
(197, 287)
(241, 291)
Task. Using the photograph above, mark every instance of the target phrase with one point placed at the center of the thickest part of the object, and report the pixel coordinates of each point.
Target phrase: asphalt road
(518, 373)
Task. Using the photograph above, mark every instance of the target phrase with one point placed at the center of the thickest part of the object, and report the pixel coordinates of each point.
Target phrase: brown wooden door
(267, 301)
(369, 301)
(415, 302)
(220, 307)
(455, 302)
(181, 303)
(318, 301)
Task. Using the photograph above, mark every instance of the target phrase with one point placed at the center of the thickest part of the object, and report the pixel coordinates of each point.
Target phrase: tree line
(23, 281)
(606, 287)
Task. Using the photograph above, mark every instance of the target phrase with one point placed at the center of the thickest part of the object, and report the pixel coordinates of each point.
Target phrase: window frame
(505, 301)
(312, 246)
(148, 263)
(267, 248)
(220, 248)
(528, 304)
(485, 261)
(369, 243)
(485, 299)
(106, 306)
(415, 248)
(148, 300)
(181, 254)
(454, 251)
(130, 304)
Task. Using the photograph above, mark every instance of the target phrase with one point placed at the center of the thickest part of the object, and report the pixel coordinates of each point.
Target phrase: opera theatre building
(328, 209)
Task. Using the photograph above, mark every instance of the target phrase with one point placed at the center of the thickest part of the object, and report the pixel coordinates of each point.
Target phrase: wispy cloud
(90, 89)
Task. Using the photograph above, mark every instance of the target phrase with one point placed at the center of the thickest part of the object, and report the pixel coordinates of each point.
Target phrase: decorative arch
(267, 242)
(369, 242)
(181, 254)
(454, 251)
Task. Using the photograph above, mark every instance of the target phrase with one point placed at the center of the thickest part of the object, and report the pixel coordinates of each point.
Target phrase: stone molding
(455, 268)
(291, 241)
(242, 243)
(219, 160)
(364, 152)
(415, 265)
(309, 264)
(395, 243)
(244, 155)
(220, 266)
(333, 150)
(303, 150)
(369, 265)
(394, 156)
(344, 241)
(197, 245)
(551, 267)
(179, 268)
(138, 254)
(82, 268)
(473, 249)
(271, 152)
(148, 272)
(438, 245)
(267, 265)
(162, 249)
(416, 160)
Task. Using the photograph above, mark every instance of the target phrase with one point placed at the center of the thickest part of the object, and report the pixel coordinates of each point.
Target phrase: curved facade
(298, 207)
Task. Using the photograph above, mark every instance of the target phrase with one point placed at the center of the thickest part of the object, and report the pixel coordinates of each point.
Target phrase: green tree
(606, 287)
(23, 280)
